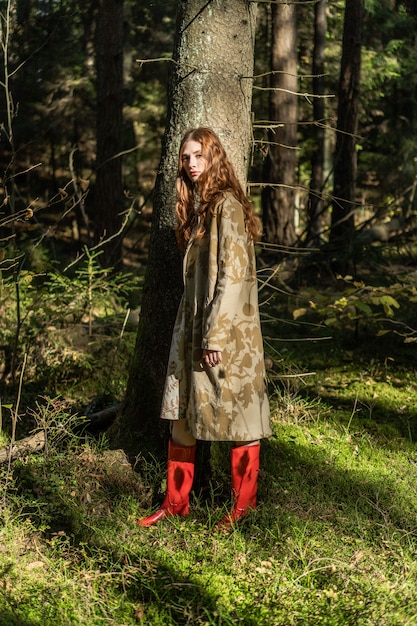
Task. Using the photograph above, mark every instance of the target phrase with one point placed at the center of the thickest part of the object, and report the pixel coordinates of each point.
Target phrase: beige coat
(219, 311)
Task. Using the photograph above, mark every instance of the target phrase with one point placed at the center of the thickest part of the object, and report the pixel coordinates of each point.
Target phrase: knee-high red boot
(179, 482)
(245, 469)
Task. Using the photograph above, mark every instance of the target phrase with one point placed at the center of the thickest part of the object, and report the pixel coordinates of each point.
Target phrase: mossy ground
(332, 542)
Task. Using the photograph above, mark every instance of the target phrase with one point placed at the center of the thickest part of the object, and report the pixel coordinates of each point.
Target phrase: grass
(332, 542)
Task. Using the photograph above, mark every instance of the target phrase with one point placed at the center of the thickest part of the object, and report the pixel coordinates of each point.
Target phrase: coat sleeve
(228, 270)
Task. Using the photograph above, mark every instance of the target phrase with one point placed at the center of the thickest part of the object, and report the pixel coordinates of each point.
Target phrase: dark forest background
(84, 103)
(57, 83)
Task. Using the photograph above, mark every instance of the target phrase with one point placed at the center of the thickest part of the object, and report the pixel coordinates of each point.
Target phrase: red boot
(245, 469)
(179, 482)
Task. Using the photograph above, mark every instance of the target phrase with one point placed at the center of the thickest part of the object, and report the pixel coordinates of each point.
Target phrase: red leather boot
(179, 482)
(245, 469)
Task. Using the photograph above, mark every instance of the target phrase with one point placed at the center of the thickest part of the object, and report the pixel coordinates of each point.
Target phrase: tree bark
(345, 159)
(210, 85)
(315, 202)
(108, 196)
(281, 161)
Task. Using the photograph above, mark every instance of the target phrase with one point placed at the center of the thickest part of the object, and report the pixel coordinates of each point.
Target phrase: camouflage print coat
(219, 311)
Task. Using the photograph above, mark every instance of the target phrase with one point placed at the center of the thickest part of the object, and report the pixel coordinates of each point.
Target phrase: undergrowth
(332, 542)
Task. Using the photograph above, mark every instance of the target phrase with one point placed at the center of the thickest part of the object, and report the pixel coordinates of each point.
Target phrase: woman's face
(193, 161)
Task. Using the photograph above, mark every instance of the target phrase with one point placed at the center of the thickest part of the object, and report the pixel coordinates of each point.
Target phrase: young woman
(215, 388)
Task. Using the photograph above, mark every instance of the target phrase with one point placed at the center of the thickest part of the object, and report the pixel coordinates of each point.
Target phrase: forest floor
(332, 542)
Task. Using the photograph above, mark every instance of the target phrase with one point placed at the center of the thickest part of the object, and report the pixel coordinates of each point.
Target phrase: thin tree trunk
(108, 198)
(315, 202)
(345, 160)
(281, 161)
(210, 85)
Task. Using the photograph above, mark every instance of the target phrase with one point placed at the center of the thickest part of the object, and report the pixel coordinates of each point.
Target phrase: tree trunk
(210, 85)
(345, 159)
(108, 197)
(315, 202)
(281, 161)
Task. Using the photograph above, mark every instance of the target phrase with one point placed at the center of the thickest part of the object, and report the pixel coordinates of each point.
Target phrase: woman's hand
(212, 357)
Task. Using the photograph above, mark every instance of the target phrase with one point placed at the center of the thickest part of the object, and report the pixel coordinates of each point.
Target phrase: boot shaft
(177, 452)
(245, 470)
(180, 478)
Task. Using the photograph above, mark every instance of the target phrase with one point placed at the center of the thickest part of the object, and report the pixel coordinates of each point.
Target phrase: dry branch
(33, 443)
(96, 422)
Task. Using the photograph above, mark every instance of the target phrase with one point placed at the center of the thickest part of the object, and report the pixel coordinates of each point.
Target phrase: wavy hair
(217, 178)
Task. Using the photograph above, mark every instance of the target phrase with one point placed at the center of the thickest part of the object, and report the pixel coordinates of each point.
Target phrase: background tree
(108, 196)
(210, 85)
(278, 197)
(315, 202)
(345, 158)
(387, 115)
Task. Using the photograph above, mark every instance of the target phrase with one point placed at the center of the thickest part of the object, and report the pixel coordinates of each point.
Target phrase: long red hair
(217, 178)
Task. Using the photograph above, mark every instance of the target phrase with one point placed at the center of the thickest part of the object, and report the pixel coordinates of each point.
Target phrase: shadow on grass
(10, 618)
(301, 480)
(299, 483)
(298, 487)
(381, 418)
(168, 597)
